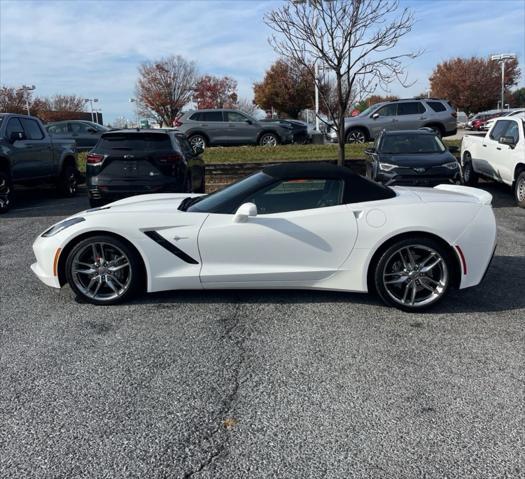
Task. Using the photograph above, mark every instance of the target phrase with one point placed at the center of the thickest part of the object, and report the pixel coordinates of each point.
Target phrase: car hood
(414, 160)
(159, 202)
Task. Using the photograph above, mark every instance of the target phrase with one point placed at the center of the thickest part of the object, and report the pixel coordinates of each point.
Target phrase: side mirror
(369, 151)
(250, 122)
(507, 140)
(198, 150)
(16, 136)
(244, 212)
(91, 130)
(453, 149)
(375, 116)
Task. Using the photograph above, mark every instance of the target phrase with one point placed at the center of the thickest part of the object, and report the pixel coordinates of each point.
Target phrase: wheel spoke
(84, 271)
(109, 282)
(411, 258)
(119, 267)
(99, 284)
(405, 294)
(423, 282)
(414, 291)
(114, 278)
(426, 269)
(401, 279)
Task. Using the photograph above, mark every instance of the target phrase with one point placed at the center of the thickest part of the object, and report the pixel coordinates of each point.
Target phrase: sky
(92, 48)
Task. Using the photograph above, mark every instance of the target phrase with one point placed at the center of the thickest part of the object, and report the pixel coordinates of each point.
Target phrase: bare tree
(247, 106)
(70, 103)
(164, 87)
(352, 40)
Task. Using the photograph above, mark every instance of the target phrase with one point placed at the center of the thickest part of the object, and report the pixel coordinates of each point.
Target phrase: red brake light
(177, 123)
(94, 159)
(171, 158)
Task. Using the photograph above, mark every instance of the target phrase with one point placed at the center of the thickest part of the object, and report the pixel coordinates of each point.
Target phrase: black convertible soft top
(357, 188)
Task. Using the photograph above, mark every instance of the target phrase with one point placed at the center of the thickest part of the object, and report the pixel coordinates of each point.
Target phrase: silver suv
(230, 127)
(408, 114)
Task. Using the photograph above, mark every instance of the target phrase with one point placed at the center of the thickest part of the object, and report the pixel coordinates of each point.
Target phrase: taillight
(173, 158)
(177, 123)
(455, 114)
(94, 159)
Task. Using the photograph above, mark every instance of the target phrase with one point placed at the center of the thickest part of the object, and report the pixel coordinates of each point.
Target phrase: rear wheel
(6, 192)
(356, 135)
(197, 141)
(67, 184)
(438, 130)
(470, 177)
(413, 274)
(103, 270)
(519, 190)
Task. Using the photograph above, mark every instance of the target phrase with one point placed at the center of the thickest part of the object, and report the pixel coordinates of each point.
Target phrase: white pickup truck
(499, 155)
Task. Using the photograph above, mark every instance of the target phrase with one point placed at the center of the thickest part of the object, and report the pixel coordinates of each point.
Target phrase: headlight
(453, 165)
(387, 166)
(62, 226)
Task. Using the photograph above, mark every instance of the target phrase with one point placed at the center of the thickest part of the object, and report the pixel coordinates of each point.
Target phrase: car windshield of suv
(225, 200)
(370, 109)
(410, 144)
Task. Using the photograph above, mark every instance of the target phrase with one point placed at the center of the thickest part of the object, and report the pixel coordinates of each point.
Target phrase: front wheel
(268, 139)
(470, 177)
(519, 190)
(6, 192)
(413, 274)
(67, 184)
(103, 270)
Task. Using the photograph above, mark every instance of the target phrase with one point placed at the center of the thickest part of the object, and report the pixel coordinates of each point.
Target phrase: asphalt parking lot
(259, 384)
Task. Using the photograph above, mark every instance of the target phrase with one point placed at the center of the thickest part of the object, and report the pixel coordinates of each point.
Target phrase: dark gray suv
(409, 114)
(230, 127)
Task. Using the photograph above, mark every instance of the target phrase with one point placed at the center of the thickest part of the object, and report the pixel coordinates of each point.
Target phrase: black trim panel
(170, 247)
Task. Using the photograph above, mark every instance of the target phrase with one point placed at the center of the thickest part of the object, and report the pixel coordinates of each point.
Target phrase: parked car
(488, 125)
(478, 121)
(499, 155)
(300, 132)
(230, 127)
(462, 119)
(411, 157)
(291, 226)
(84, 133)
(399, 115)
(28, 155)
(132, 162)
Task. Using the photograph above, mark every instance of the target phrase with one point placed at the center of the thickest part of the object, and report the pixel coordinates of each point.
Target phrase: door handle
(484, 145)
(498, 148)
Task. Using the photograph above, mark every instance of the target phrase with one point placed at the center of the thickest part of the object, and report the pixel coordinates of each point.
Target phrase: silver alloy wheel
(520, 189)
(198, 141)
(5, 191)
(356, 136)
(415, 275)
(101, 271)
(268, 140)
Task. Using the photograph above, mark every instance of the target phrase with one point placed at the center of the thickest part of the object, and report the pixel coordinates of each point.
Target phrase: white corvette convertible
(293, 226)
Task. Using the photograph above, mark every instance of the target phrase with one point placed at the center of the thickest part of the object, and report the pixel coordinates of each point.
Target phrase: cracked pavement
(255, 384)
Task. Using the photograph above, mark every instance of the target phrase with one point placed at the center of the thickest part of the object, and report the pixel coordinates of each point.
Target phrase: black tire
(6, 192)
(202, 186)
(67, 183)
(356, 135)
(470, 177)
(198, 140)
(112, 245)
(437, 129)
(406, 276)
(519, 189)
(269, 139)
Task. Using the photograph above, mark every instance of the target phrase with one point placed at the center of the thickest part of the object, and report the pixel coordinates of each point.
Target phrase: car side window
(234, 116)
(211, 116)
(388, 110)
(32, 129)
(79, 128)
(437, 106)
(512, 131)
(499, 129)
(13, 126)
(409, 108)
(60, 129)
(298, 194)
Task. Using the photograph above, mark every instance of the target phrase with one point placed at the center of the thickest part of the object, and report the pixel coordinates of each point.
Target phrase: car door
(410, 115)
(383, 119)
(241, 129)
(85, 136)
(301, 234)
(490, 159)
(19, 152)
(503, 155)
(40, 148)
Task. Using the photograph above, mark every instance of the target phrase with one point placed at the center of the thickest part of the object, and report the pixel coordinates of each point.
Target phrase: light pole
(26, 89)
(501, 59)
(91, 101)
(134, 100)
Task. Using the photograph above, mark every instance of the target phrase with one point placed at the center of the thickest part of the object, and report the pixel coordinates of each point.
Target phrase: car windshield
(410, 144)
(370, 109)
(223, 201)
